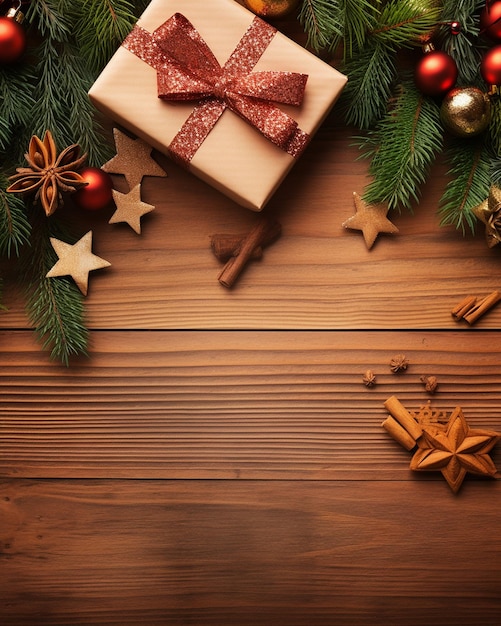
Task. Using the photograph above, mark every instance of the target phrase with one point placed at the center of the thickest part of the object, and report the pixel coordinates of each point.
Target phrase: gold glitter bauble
(272, 9)
(465, 111)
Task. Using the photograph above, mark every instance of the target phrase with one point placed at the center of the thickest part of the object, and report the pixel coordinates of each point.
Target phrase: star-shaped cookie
(76, 260)
(133, 160)
(370, 219)
(130, 208)
(455, 450)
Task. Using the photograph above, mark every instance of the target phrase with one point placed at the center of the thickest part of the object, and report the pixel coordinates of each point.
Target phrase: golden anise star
(455, 450)
(48, 174)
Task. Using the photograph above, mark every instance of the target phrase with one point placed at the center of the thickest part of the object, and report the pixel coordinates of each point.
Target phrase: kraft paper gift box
(234, 157)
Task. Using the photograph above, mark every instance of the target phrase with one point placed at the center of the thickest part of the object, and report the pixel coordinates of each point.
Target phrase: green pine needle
(470, 171)
(101, 28)
(14, 226)
(402, 148)
(401, 24)
(371, 77)
(321, 22)
(54, 305)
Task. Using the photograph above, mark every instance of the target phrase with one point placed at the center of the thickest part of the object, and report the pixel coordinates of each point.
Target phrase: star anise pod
(49, 174)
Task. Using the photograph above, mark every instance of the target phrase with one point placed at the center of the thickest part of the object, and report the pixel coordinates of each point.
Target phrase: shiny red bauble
(12, 40)
(97, 194)
(436, 72)
(490, 68)
(490, 21)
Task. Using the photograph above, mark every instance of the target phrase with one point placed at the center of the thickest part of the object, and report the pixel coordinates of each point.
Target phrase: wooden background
(217, 459)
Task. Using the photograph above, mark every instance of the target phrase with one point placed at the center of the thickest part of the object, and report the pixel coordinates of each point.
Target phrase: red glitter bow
(187, 70)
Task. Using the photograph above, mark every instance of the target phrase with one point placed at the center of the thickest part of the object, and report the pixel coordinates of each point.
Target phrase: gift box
(220, 91)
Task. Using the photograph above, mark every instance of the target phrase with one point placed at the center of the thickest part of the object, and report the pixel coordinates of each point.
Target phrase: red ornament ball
(490, 68)
(436, 72)
(97, 194)
(12, 40)
(490, 21)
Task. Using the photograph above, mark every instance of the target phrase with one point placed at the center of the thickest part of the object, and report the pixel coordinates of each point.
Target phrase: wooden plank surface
(247, 553)
(228, 404)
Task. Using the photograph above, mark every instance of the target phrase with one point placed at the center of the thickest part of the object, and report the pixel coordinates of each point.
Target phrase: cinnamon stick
(461, 309)
(398, 433)
(402, 415)
(264, 230)
(482, 307)
(225, 246)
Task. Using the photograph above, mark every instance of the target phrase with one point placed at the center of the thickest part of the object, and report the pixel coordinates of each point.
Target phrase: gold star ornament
(489, 212)
(130, 208)
(76, 260)
(370, 219)
(456, 450)
(133, 160)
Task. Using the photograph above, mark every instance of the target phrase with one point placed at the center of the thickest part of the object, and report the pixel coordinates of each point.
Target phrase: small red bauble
(436, 72)
(490, 68)
(12, 40)
(490, 21)
(97, 194)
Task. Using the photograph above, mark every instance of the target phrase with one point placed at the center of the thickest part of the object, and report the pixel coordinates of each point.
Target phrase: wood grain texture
(234, 404)
(318, 275)
(240, 553)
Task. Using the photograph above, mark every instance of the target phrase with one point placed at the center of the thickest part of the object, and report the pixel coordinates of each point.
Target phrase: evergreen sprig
(400, 24)
(470, 167)
(402, 148)
(372, 75)
(101, 28)
(15, 228)
(320, 20)
(55, 307)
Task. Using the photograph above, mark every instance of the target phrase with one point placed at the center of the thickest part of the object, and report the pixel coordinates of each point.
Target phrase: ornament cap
(15, 13)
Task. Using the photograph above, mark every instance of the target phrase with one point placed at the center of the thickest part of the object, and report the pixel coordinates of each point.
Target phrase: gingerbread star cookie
(370, 219)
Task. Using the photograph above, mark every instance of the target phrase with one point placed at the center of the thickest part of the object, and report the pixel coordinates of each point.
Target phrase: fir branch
(101, 28)
(357, 18)
(365, 97)
(17, 105)
(464, 47)
(14, 226)
(402, 24)
(53, 18)
(493, 134)
(402, 148)
(55, 306)
(320, 20)
(470, 168)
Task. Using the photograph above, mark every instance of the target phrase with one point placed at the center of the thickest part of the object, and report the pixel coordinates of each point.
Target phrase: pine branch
(372, 75)
(356, 18)
(55, 306)
(14, 226)
(470, 169)
(53, 18)
(101, 28)
(401, 24)
(17, 105)
(320, 20)
(402, 148)
(465, 47)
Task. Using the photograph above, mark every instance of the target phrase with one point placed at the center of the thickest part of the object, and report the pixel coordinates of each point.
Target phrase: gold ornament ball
(271, 9)
(465, 111)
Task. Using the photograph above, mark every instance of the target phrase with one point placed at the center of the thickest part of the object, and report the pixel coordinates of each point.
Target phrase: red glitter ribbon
(187, 70)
